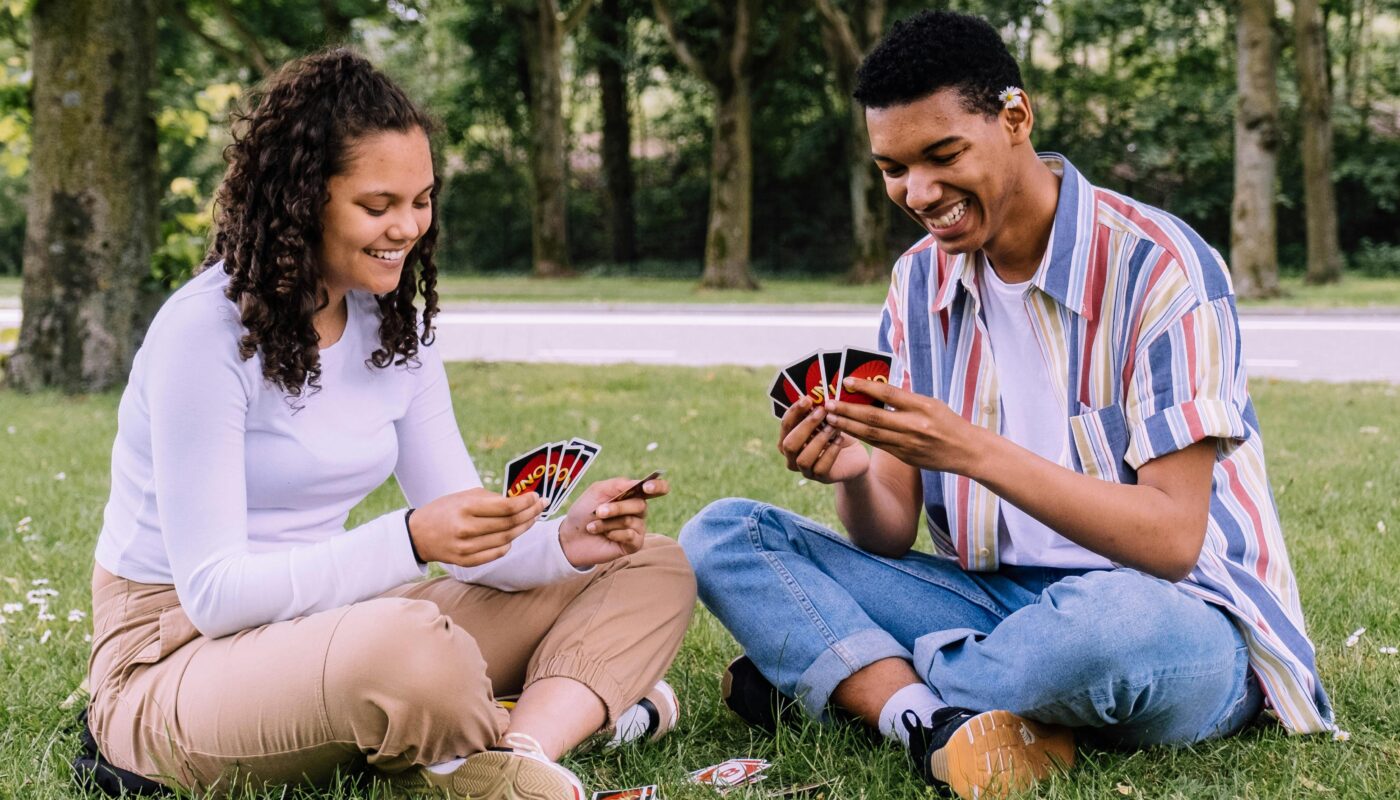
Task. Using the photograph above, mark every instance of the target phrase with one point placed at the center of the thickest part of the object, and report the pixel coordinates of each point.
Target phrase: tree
(1315, 116)
(610, 36)
(546, 28)
(846, 44)
(730, 76)
(93, 194)
(1253, 224)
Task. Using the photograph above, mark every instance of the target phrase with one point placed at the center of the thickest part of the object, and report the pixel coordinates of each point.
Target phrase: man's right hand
(472, 528)
(816, 450)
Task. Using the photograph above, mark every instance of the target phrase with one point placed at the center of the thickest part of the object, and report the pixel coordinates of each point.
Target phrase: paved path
(1329, 347)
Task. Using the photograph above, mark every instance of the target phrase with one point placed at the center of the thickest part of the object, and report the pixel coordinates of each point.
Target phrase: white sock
(631, 724)
(444, 767)
(916, 697)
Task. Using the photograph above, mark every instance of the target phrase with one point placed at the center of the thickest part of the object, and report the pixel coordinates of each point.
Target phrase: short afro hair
(933, 50)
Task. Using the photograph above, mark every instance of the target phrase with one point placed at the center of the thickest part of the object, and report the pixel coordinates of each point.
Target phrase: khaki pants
(406, 678)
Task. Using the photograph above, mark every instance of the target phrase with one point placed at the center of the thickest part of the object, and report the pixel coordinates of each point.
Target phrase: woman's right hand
(472, 528)
(816, 450)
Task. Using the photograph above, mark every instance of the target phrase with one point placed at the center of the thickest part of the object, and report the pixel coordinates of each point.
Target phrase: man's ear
(1019, 121)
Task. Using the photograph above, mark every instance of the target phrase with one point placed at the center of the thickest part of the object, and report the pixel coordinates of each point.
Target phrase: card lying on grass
(552, 470)
(821, 374)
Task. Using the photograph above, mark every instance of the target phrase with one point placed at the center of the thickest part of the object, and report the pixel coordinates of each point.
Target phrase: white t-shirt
(223, 487)
(1031, 417)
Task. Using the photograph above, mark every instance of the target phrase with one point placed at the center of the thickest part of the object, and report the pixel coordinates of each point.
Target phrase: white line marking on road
(1284, 324)
(1271, 362)
(611, 319)
(623, 355)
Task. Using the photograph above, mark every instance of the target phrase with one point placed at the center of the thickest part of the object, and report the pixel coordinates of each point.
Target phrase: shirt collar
(1063, 268)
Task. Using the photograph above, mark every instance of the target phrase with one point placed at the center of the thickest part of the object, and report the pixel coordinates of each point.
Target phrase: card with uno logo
(868, 365)
(806, 374)
(526, 472)
(638, 793)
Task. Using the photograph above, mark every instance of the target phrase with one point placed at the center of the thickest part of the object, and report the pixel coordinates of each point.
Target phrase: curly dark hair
(296, 135)
(933, 50)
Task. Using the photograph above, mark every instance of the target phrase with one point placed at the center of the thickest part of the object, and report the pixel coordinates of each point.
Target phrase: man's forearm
(1148, 527)
(880, 513)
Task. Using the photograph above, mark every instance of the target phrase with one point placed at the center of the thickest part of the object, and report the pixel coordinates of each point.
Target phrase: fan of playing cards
(821, 374)
(552, 470)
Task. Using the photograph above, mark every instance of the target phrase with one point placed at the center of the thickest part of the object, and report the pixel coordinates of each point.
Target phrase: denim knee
(717, 524)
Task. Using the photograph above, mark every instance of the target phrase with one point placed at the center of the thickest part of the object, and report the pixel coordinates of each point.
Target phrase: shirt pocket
(1099, 439)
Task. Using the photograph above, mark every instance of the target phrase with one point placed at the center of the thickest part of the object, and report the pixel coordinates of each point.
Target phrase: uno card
(639, 793)
(831, 372)
(576, 458)
(635, 490)
(729, 774)
(784, 393)
(869, 365)
(526, 472)
(806, 375)
(550, 484)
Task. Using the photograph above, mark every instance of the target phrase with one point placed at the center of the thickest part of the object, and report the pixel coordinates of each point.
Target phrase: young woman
(242, 634)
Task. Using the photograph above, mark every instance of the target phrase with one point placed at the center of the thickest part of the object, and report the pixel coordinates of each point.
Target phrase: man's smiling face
(949, 168)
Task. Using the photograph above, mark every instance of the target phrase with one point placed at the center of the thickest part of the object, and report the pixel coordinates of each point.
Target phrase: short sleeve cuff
(1181, 426)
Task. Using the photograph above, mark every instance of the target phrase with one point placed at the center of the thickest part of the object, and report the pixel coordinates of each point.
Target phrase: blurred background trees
(716, 139)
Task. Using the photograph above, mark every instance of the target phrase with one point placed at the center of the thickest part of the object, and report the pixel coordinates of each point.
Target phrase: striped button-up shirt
(1136, 321)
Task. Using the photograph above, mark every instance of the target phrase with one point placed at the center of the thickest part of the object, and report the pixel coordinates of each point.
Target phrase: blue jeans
(1127, 658)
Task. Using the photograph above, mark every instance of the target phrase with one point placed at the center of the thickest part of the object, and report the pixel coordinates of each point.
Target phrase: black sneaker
(748, 694)
(987, 755)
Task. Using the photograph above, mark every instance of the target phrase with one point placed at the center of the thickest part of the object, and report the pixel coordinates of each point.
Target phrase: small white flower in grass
(1339, 735)
(1380, 525)
(45, 616)
(1010, 97)
(40, 582)
(45, 638)
(1389, 651)
(33, 537)
(652, 446)
(802, 482)
(10, 430)
(87, 637)
(11, 608)
(23, 525)
(1355, 637)
(61, 476)
(1370, 430)
(76, 615)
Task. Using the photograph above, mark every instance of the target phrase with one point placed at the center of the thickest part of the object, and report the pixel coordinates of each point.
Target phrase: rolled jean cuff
(593, 674)
(839, 662)
(929, 645)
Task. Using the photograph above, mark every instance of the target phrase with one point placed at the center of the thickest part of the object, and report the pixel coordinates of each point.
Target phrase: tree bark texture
(847, 39)
(727, 239)
(1254, 221)
(92, 214)
(618, 182)
(728, 235)
(1315, 114)
(549, 204)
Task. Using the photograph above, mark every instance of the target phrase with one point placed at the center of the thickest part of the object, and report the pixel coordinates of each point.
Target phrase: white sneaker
(520, 771)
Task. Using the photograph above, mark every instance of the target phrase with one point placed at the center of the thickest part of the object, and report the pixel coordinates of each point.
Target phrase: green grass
(1353, 292)
(1333, 463)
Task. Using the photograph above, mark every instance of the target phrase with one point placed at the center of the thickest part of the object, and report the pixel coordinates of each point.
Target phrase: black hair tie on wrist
(409, 531)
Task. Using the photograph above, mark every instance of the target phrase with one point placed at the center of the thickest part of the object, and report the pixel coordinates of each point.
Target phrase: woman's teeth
(952, 217)
(386, 255)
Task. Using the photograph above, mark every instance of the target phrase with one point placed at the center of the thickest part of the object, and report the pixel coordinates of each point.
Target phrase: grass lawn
(1354, 291)
(1334, 468)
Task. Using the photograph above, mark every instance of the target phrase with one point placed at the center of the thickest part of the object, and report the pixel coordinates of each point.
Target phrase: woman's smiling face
(379, 207)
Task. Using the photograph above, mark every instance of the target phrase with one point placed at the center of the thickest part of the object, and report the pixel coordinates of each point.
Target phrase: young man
(1068, 405)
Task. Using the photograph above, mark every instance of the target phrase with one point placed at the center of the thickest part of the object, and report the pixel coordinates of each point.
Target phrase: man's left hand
(920, 431)
(596, 531)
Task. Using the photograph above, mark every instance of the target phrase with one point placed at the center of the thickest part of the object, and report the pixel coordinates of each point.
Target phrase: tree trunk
(1253, 224)
(618, 184)
(1315, 115)
(549, 204)
(870, 207)
(93, 190)
(731, 190)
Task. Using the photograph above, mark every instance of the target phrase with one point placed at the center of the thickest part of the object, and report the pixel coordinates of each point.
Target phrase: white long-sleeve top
(222, 486)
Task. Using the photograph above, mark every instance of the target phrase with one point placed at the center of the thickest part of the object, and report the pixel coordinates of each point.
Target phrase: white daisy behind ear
(1010, 97)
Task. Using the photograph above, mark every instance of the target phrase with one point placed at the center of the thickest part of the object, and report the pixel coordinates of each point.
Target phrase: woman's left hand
(596, 531)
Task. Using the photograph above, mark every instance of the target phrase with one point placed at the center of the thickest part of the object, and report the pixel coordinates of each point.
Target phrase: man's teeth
(387, 255)
(952, 216)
